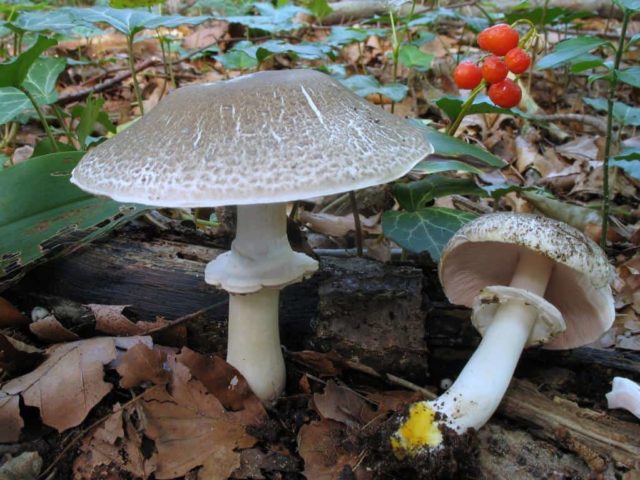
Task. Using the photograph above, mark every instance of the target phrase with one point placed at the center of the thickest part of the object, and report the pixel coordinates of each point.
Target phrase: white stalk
(254, 342)
(259, 264)
(479, 388)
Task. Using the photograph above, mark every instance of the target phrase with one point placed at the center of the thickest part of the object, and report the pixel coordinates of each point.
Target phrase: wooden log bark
(351, 305)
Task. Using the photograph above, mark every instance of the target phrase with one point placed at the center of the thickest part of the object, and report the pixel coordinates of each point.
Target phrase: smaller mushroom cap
(485, 253)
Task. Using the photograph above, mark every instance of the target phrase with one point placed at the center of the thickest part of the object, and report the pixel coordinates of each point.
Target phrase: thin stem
(42, 118)
(356, 221)
(395, 53)
(609, 140)
(10, 132)
(132, 67)
(453, 128)
(67, 131)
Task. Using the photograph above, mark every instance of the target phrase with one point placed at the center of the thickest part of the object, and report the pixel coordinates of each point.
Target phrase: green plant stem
(64, 126)
(42, 118)
(132, 67)
(10, 132)
(395, 53)
(609, 140)
(453, 128)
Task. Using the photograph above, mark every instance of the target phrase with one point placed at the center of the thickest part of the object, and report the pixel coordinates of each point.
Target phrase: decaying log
(596, 437)
(352, 305)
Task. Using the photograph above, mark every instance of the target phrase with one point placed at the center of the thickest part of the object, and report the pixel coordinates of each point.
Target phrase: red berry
(498, 39)
(517, 60)
(467, 75)
(494, 70)
(505, 94)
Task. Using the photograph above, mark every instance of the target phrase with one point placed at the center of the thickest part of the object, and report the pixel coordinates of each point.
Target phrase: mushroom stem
(254, 342)
(478, 390)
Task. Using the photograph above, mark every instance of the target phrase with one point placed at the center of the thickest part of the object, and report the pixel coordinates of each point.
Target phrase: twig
(591, 120)
(186, 318)
(393, 379)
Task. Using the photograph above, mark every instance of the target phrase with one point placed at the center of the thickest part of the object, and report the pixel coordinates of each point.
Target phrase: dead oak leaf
(10, 316)
(112, 450)
(65, 387)
(191, 428)
(343, 405)
(142, 364)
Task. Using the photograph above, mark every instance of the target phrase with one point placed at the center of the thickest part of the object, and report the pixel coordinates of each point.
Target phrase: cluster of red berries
(502, 41)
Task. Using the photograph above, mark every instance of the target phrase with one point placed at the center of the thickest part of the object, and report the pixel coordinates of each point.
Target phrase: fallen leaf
(142, 364)
(191, 428)
(10, 316)
(328, 364)
(65, 387)
(322, 446)
(49, 329)
(337, 226)
(17, 357)
(112, 450)
(343, 405)
(223, 381)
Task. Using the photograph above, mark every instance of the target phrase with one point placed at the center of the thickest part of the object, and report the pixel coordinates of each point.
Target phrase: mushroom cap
(485, 252)
(272, 136)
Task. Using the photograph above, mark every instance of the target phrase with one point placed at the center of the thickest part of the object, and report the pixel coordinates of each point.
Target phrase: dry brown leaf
(10, 316)
(339, 226)
(204, 36)
(328, 364)
(51, 330)
(17, 357)
(527, 156)
(322, 447)
(223, 381)
(64, 388)
(191, 428)
(10, 418)
(582, 148)
(112, 450)
(142, 364)
(343, 405)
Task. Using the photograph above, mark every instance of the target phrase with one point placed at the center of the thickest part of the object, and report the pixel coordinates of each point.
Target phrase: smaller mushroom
(625, 394)
(530, 280)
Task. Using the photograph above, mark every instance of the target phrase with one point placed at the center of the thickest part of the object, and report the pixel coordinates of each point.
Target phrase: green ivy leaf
(237, 60)
(452, 106)
(412, 57)
(42, 78)
(13, 73)
(425, 230)
(134, 3)
(416, 195)
(365, 85)
(12, 103)
(632, 5)
(447, 146)
(319, 8)
(565, 52)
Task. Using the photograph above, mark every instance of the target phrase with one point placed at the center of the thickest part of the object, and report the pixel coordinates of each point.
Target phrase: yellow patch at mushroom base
(419, 431)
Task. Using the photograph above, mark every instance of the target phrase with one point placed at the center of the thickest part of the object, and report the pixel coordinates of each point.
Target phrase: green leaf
(586, 62)
(630, 75)
(435, 165)
(237, 60)
(365, 85)
(568, 50)
(270, 19)
(13, 74)
(347, 35)
(58, 21)
(631, 167)
(134, 3)
(452, 106)
(413, 196)
(319, 8)
(43, 215)
(412, 57)
(12, 103)
(425, 230)
(447, 146)
(632, 5)
(307, 51)
(42, 77)
(628, 152)
(90, 114)
(623, 113)
(130, 22)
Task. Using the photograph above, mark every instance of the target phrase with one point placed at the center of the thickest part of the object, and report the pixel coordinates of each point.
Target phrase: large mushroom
(257, 141)
(530, 280)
